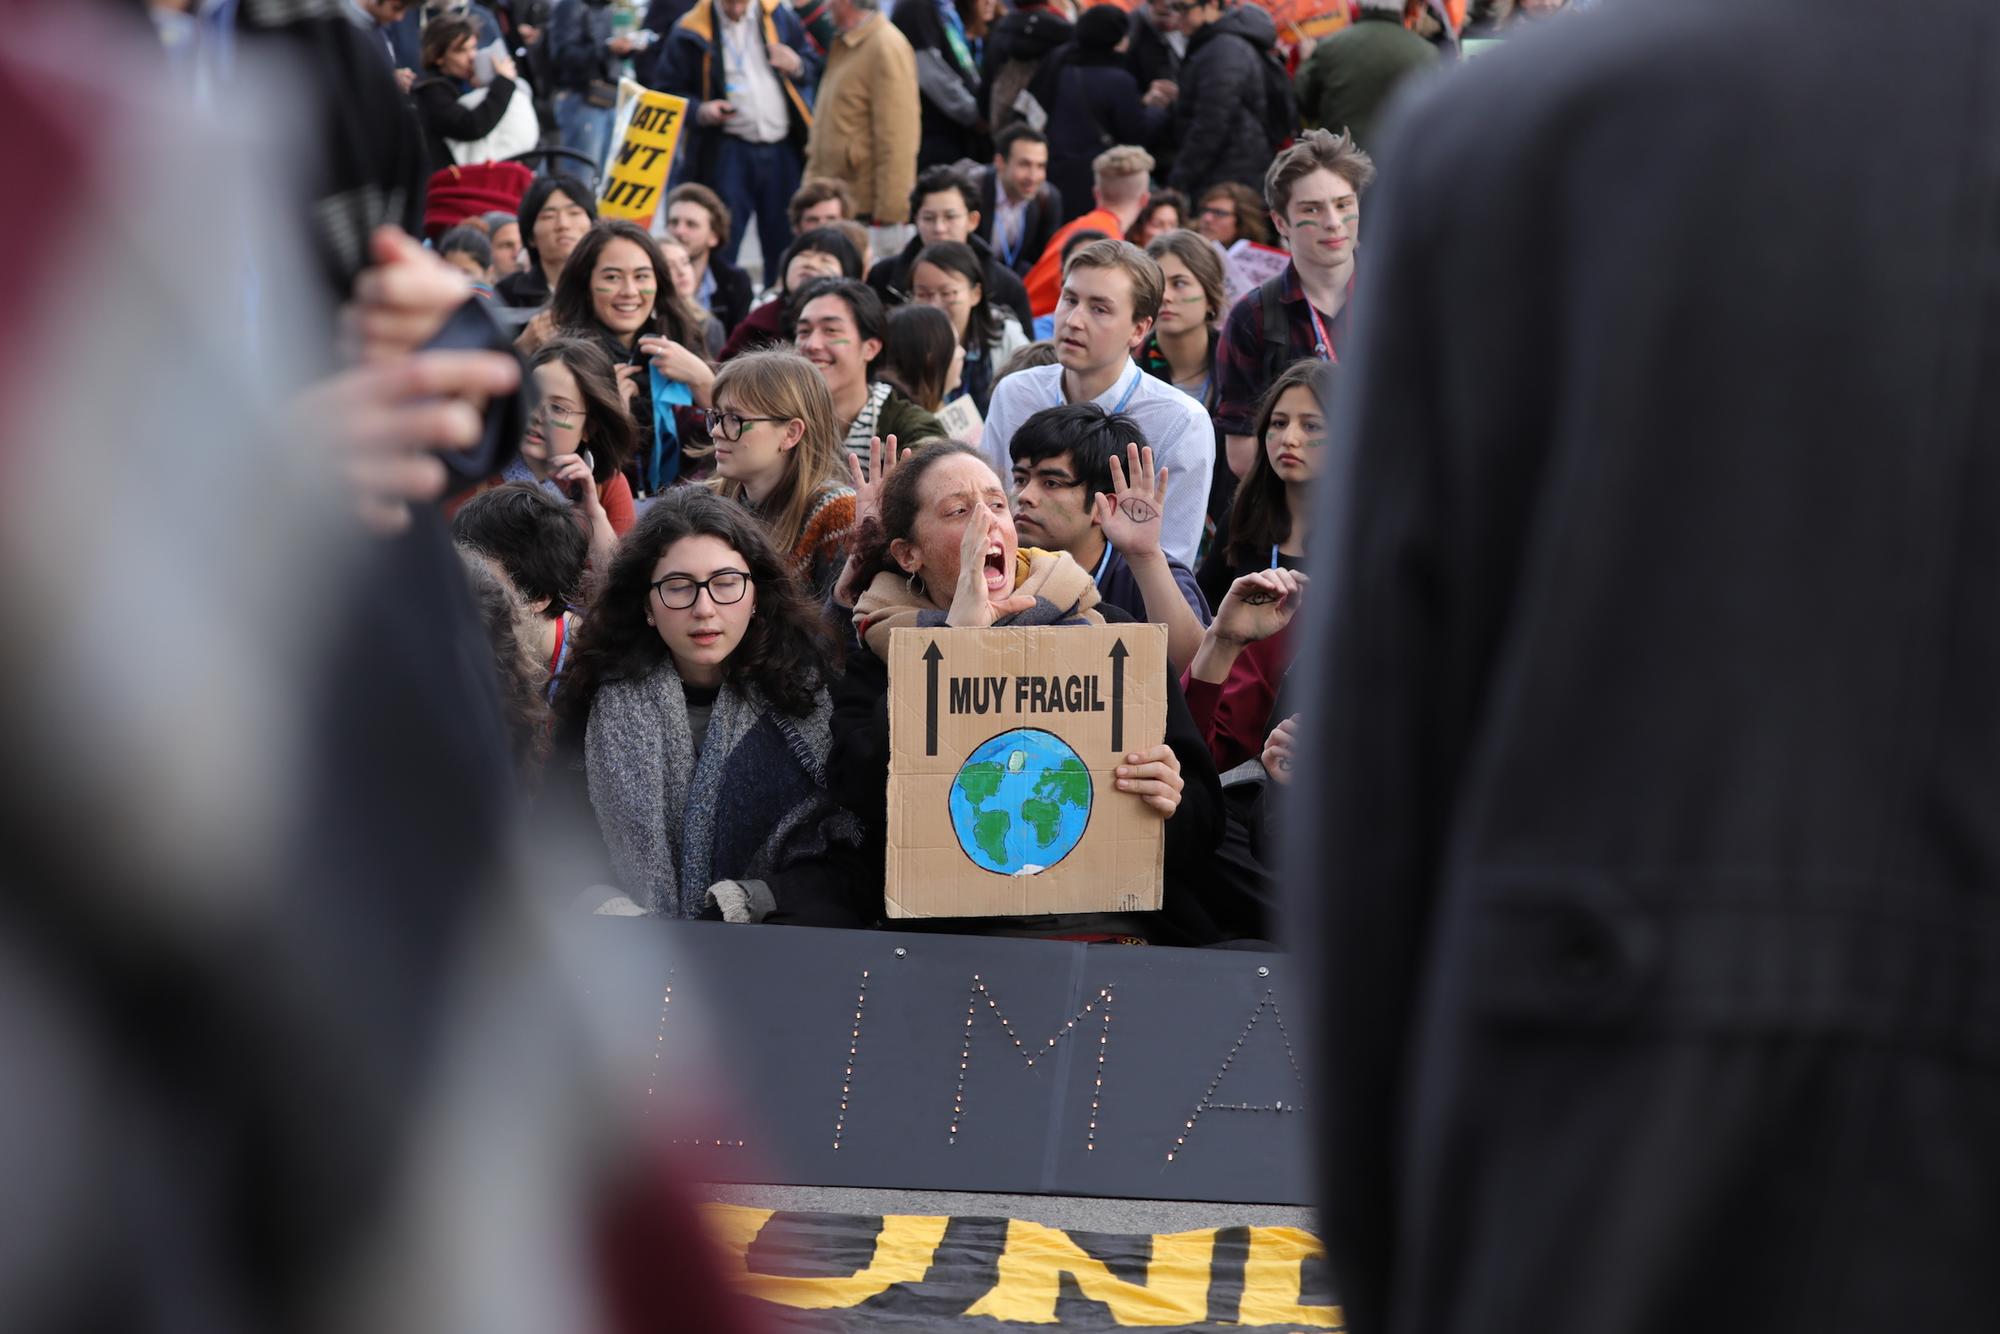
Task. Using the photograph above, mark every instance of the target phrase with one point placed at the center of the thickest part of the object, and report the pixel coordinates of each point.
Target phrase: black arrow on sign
(1118, 694)
(931, 658)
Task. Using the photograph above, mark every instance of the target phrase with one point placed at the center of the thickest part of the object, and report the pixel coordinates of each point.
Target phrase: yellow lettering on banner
(645, 153)
(903, 1252)
(1031, 1268)
(1272, 1278)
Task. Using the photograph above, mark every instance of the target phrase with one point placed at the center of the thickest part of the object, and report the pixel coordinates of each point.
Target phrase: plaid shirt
(1239, 360)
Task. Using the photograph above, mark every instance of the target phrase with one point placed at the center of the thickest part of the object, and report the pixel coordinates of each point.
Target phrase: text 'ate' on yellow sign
(1002, 747)
(648, 130)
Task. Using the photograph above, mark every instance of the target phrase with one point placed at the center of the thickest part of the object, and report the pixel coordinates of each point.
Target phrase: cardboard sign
(962, 422)
(1002, 742)
(1247, 266)
(648, 129)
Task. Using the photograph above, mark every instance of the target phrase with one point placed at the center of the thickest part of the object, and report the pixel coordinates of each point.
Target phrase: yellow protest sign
(649, 129)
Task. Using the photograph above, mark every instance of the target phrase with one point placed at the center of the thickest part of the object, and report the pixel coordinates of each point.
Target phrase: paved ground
(1064, 1211)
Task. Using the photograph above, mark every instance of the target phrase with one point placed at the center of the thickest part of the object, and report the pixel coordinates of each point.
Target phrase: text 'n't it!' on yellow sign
(648, 130)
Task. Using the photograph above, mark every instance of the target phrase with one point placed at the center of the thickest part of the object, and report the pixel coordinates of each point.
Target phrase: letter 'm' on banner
(904, 1249)
(1174, 1294)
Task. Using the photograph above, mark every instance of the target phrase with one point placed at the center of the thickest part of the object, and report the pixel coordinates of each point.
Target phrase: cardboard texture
(1002, 744)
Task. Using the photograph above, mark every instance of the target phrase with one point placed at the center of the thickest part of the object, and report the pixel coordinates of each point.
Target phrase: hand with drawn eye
(1277, 754)
(1131, 512)
(1258, 605)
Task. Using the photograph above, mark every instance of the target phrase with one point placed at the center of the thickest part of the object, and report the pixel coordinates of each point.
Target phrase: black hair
(896, 516)
(864, 306)
(609, 432)
(1259, 517)
(916, 354)
(538, 195)
(1014, 134)
(1087, 433)
(518, 676)
(464, 239)
(820, 241)
(1078, 240)
(982, 327)
(786, 652)
(937, 180)
(539, 541)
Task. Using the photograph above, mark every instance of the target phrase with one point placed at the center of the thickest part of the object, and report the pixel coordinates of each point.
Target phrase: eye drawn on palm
(1130, 514)
(1259, 605)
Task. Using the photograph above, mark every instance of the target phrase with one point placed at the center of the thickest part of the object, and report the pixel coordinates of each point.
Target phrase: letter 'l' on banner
(647, 131)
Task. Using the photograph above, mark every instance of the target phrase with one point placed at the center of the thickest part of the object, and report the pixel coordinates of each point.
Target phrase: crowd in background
(1003, 355)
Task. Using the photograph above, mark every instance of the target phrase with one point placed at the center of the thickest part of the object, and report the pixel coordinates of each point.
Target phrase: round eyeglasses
(728, 425)
(677, 592)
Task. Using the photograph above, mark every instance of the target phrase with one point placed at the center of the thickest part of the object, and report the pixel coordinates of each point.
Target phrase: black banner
(914, 1061)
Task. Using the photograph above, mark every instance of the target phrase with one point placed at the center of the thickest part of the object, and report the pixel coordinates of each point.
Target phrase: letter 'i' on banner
(647, 130)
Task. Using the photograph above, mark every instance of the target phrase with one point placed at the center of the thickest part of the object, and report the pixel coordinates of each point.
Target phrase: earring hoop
(915, 585)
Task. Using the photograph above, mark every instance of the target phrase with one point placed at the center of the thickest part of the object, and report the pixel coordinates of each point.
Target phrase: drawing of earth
(1021, 802)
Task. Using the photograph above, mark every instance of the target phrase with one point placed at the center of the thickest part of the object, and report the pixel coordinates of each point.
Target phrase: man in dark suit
(1648, 799)
(1018, 209)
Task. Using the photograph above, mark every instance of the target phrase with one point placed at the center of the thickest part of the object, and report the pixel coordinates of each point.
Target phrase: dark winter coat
(1092, 106)
(1219, 115)
(891, 278)
(578, 44)
(690, 69)
(445, 120)
(1015, 49)
(1347, 79)
(1043, 217)
(1654, 757)
(953, 127)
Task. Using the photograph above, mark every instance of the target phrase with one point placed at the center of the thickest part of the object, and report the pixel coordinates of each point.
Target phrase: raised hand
(1277, 756)
(1153, 776)
(1130, 513)
(572, 474)
(882, 461)
(971, 605)
(1258, 605)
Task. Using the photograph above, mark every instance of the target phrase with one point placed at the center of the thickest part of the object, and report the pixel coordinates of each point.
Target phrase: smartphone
(575, 489)
(474, 328)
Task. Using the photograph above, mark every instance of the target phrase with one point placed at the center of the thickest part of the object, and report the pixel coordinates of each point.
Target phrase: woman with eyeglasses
(576, 442)
(694, 716)
(778, 453)
(1230, 212)
(617, 291)
(1255, 568)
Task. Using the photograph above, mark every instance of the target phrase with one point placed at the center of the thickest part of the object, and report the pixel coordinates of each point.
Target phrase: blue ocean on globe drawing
(1020, 802)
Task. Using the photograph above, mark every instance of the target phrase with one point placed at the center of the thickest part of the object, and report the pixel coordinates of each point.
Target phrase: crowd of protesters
(995, 366)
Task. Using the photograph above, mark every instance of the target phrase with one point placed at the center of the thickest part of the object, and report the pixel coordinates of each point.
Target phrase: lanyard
(560, 658)
(1007, 249)
(1097, 575)
(1274, 555)
(1322, 345)
(1130, 389)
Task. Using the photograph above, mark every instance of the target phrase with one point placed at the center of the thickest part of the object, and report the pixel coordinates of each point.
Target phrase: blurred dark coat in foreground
(1655, 784)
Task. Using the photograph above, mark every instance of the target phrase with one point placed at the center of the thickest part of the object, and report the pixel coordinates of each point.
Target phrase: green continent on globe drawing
(1068, 784)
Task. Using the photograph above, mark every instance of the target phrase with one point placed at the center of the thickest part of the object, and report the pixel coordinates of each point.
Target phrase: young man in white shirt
(1110, 294)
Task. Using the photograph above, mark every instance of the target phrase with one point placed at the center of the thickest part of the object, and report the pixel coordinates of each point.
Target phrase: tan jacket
(867, 119)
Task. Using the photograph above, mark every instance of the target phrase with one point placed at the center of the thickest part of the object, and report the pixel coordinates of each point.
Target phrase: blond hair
(1124, 174)
(778, 383)
(1148, 283)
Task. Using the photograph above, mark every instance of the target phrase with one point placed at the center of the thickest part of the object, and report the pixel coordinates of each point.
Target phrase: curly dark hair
(518, 677)
(899, 506)
(1259, 518)
(787, 653)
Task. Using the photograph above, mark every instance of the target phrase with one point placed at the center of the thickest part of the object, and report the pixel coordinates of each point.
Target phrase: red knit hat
(458, 193)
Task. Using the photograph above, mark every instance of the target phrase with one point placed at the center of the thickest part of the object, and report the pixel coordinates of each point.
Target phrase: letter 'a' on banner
(646, 133)
(1003, 742)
